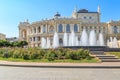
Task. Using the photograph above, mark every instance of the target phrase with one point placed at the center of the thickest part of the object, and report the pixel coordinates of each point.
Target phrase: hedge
(50, 54)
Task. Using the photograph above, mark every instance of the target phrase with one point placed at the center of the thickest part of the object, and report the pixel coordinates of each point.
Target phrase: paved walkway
(59, 71)
(25, 73)
(62, 65)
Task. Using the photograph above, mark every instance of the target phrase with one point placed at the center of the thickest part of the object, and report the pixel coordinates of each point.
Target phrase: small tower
(57, 15)
(98, 9)
(76, 9)
(99, 13)
(74, 14)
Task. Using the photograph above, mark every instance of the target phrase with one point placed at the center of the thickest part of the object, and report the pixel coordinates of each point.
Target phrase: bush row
(51, 54)
(4, 43)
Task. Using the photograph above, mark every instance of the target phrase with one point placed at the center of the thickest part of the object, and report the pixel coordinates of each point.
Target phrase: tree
(1, 43)
(23, 43)
(4, 43)
(15, 44)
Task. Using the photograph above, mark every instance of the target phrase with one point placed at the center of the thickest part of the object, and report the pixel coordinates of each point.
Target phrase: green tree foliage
(4, 43)
(23, 43)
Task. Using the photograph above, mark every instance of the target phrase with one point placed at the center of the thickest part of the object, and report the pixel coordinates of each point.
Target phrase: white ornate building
(80, 19)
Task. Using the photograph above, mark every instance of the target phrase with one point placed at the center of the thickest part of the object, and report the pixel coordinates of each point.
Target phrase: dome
(82, 11)
(57, 15)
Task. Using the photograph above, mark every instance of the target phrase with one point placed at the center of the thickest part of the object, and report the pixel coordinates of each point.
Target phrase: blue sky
(14, 11)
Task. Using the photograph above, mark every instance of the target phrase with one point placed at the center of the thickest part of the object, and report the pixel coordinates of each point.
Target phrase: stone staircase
(105, 58)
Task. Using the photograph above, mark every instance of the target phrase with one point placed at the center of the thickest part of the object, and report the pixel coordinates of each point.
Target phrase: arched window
(67, 28)
(90, 17)
(60, 28)
(61, 41)
(90, 27)
(39, 29)
(75, 28)
(44, 29)
(115, 29)
(51, 29)
(85, 17)
(33, 38)
(38, 38)
(24, 33)
(99, 31)
(34, 30)
(82, 27)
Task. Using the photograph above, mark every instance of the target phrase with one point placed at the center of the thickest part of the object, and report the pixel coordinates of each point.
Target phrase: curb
(58, 66)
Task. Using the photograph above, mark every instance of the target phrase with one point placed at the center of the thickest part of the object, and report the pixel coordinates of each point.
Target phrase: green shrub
(16, 54)
(51, 55)
(89, 57)
(2, 51)
(42, 53)
(5, 55)
(10, 52)
(73, 56)
(67, 55)
(26, 56)
(78, 54)
(81, 54)
(37, 53)
(34, 56)
(58, 54)
(62, 53)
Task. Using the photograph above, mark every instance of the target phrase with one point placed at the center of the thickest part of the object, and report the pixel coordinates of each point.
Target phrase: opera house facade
(80, 22)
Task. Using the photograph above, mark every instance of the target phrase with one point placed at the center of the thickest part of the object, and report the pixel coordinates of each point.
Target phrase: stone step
(97, 52)
(105, 56)
(110, 60)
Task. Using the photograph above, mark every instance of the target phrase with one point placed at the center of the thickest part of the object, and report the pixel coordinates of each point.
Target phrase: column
(36, 39)
(23, 34)
(32, 39)
(32, 30)
(36, 30)
(20, 33)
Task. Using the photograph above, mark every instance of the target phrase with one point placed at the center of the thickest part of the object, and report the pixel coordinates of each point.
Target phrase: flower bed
(42, 54)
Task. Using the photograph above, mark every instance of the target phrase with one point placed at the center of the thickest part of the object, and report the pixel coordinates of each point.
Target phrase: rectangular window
(60, 28)
(75, 28)
(44, 29)
(38, 38)
(85, 17)
(30, 39)
(34, 30)
(33, 38)
(90, 17)
(39, 29)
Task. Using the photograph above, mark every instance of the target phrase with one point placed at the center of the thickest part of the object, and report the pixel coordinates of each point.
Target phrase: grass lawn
(55, 61)
(114, 53)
